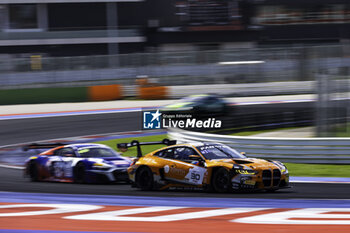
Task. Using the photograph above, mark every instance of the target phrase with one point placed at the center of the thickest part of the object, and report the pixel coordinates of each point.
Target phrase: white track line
(12, 167)
(320, 182)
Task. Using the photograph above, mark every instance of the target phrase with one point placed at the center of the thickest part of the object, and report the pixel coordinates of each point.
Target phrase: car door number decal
(58, 168)
(195, 175)
(62, 168)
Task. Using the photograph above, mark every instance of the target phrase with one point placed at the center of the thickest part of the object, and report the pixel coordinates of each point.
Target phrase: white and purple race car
(78, 163)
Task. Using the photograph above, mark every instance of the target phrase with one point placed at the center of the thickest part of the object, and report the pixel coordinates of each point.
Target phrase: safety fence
(295, 150)
(252, 65)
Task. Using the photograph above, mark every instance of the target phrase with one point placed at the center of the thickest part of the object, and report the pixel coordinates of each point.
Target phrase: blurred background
(236, 48)
(276, 72)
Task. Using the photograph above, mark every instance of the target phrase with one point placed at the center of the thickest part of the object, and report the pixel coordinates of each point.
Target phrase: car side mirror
(243, 153)
(195, 157)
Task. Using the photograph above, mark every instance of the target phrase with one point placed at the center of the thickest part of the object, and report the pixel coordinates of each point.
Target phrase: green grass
(316, 170)
(342, 131)
(43, 95)
(246, 131)
(251, 133)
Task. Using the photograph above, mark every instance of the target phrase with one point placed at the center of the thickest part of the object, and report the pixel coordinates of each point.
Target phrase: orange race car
(209, 166)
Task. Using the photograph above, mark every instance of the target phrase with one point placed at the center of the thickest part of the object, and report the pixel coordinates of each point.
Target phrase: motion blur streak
(169, 214)
(196, 200)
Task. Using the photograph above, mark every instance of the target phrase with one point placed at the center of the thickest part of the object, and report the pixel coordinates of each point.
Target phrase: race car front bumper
(259, 182)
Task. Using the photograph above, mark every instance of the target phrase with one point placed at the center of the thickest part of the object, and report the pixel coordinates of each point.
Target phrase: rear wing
(125, 146)
(34, 146)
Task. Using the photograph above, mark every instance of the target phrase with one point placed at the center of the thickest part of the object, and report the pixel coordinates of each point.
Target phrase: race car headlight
(101, 166)
(284, 170)
(246, 172)
(281, 166)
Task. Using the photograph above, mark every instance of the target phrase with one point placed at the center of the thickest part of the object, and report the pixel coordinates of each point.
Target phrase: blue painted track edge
(203, 202)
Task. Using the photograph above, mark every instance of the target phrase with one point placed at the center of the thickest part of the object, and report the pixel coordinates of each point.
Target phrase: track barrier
(105, 92)
(153, 92)
(294, 150)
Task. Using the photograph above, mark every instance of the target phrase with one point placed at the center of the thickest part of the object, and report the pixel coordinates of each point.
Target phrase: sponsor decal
(166, 169)
(177, 172)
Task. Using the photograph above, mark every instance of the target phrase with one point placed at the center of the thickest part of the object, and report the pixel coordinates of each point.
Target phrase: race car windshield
(191, 99)
(97, 153)
(219, 152)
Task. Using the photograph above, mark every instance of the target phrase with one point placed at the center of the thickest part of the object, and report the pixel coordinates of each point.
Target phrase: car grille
(266, 177)
(276, 177)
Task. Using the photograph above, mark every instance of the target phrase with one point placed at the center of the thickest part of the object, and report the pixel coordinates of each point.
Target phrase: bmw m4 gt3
(210, 166)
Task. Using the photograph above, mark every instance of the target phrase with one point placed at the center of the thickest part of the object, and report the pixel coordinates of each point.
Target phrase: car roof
(204, 95)
(197, 144)
(86, 145)
(199, 95)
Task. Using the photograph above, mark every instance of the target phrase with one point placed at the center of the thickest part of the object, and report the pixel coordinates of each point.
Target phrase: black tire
(221, 180)
(79, 174)
(33, 172)
(144, 178)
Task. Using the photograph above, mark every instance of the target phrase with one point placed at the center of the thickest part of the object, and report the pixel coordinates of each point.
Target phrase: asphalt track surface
(26, 130)
(34, 129)
(12, 180)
